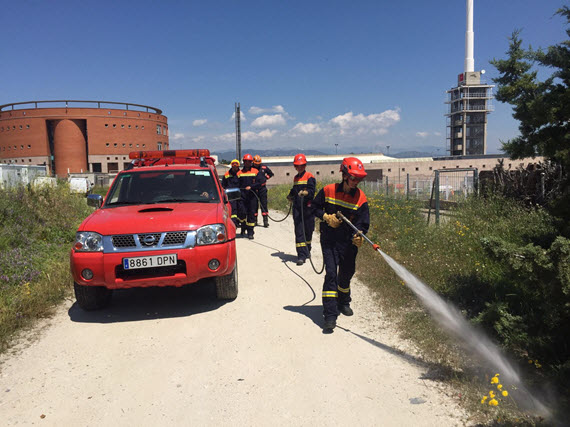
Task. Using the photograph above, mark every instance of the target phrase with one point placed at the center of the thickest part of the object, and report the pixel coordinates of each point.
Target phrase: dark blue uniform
(339, 253)
(303, 181)
(247, 178)
(231, 180)
(264, 174)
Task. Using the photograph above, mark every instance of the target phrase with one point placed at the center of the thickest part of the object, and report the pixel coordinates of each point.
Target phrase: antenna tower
(238, 131)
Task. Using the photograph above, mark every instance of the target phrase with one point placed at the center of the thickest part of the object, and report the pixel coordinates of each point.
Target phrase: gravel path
(179, 357)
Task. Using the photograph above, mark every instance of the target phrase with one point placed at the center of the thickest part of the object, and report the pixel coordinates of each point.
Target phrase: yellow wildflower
(491, 394)
(493, 402)
(494, 380)
(505, 393)
(500, 386)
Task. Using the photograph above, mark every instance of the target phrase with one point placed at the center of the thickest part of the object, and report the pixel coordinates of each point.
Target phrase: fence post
(407, 186)
(387, 187)
(436, 191)
(476, 181)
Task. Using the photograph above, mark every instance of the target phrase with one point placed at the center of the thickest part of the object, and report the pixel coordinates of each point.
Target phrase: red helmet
(257, 159)
(247, 157)
(353, 167)
(300, 159)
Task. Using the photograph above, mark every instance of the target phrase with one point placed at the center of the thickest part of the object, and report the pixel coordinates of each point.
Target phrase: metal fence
(443, 188)
(15, 175)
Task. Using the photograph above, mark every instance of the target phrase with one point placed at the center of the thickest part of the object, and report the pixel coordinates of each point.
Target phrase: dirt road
(178, 357)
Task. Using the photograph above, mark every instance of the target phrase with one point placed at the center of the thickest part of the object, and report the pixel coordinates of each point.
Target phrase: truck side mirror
(94, 200)
(233, 194)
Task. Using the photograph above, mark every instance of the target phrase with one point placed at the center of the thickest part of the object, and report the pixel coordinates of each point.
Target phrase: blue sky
(308, 74)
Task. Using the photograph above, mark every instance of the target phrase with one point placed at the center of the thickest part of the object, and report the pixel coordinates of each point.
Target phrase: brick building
(79, 136)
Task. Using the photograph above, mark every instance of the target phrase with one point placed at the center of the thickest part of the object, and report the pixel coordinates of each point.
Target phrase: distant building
(381, 168)
(469, 103)
(79, 136)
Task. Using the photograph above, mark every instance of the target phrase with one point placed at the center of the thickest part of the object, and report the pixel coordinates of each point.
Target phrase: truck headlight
(211, 234)
(87, 241)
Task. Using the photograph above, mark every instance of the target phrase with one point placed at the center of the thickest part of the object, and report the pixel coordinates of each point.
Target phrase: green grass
(37, 229)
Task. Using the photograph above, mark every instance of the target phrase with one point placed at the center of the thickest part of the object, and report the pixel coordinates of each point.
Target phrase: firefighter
(338, 241)
(231, 180)
(248, 185)
(301, 194)
(264, 174)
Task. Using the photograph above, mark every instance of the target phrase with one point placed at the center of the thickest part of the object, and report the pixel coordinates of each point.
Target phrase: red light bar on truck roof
(201, 152)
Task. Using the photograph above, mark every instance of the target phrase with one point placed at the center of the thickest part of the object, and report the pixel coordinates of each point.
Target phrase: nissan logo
(148, 239)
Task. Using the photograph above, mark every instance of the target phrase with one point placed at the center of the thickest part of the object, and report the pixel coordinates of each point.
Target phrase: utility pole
(336, 148)
(238, 131)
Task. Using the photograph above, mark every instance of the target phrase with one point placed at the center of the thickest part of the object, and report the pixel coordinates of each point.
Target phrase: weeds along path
(178, 357)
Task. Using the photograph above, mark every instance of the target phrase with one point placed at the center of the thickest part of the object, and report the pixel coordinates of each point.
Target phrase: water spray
(449, 317)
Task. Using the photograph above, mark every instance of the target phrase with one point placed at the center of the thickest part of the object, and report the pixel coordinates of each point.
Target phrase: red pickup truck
(165, 221)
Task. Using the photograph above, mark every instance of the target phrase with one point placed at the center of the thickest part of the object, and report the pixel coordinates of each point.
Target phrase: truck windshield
(172, 186)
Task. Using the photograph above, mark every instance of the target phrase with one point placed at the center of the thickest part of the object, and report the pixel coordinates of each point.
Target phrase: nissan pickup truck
(165, 221)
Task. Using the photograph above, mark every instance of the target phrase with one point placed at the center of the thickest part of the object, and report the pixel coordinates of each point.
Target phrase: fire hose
(360, 233)
(271, 218)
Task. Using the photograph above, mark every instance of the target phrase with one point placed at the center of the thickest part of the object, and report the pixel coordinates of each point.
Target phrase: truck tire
(92, 297)
(227, 286)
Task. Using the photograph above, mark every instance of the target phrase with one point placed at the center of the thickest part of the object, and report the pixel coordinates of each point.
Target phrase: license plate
(150, 261)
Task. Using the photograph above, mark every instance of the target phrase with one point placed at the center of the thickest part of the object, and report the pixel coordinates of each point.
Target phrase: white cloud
(376, 124)
(306, 128)
(269, 121)
(256, 136)
(275, 109)
(437, 133)
(199, 122)
(422, 134)
(177, 136)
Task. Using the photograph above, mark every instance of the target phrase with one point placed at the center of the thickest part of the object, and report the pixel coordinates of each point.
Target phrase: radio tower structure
(469, 103)
(238, 131)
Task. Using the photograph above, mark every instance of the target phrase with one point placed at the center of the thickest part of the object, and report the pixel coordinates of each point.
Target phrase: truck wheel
(227, 286)
(92, 297)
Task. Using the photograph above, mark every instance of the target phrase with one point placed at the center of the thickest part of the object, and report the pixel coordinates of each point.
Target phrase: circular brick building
(79, 136)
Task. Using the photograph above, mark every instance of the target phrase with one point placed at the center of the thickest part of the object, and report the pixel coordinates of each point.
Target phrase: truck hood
(152, 218)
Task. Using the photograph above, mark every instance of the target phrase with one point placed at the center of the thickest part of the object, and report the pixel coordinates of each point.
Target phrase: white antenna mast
(469, 38)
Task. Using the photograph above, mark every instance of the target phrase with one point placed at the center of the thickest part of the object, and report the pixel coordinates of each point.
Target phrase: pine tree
(541, 107)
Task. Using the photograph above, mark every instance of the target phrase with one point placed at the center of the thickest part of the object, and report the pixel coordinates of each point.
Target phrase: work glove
(357, 240)
(332, 220)
(303, 193)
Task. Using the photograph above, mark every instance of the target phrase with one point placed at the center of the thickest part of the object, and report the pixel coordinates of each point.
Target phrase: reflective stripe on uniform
(344, 290)
(301, 245)
(342, 199)
(250, 224)
(342, 203)
(330, 294)
(234, 216)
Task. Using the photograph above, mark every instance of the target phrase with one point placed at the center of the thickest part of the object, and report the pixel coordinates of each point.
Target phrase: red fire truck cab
(165, 221)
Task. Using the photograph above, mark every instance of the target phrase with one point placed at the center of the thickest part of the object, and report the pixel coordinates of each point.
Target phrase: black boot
(265, 221)
(346, 310)
(329, 325)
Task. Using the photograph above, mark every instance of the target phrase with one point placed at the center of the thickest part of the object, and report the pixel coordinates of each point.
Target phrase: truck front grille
(154, 241)
(124, 241)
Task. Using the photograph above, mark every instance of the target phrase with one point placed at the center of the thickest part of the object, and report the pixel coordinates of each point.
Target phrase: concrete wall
(395, 169)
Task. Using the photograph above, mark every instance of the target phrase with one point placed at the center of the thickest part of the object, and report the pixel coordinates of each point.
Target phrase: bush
(37, 229)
